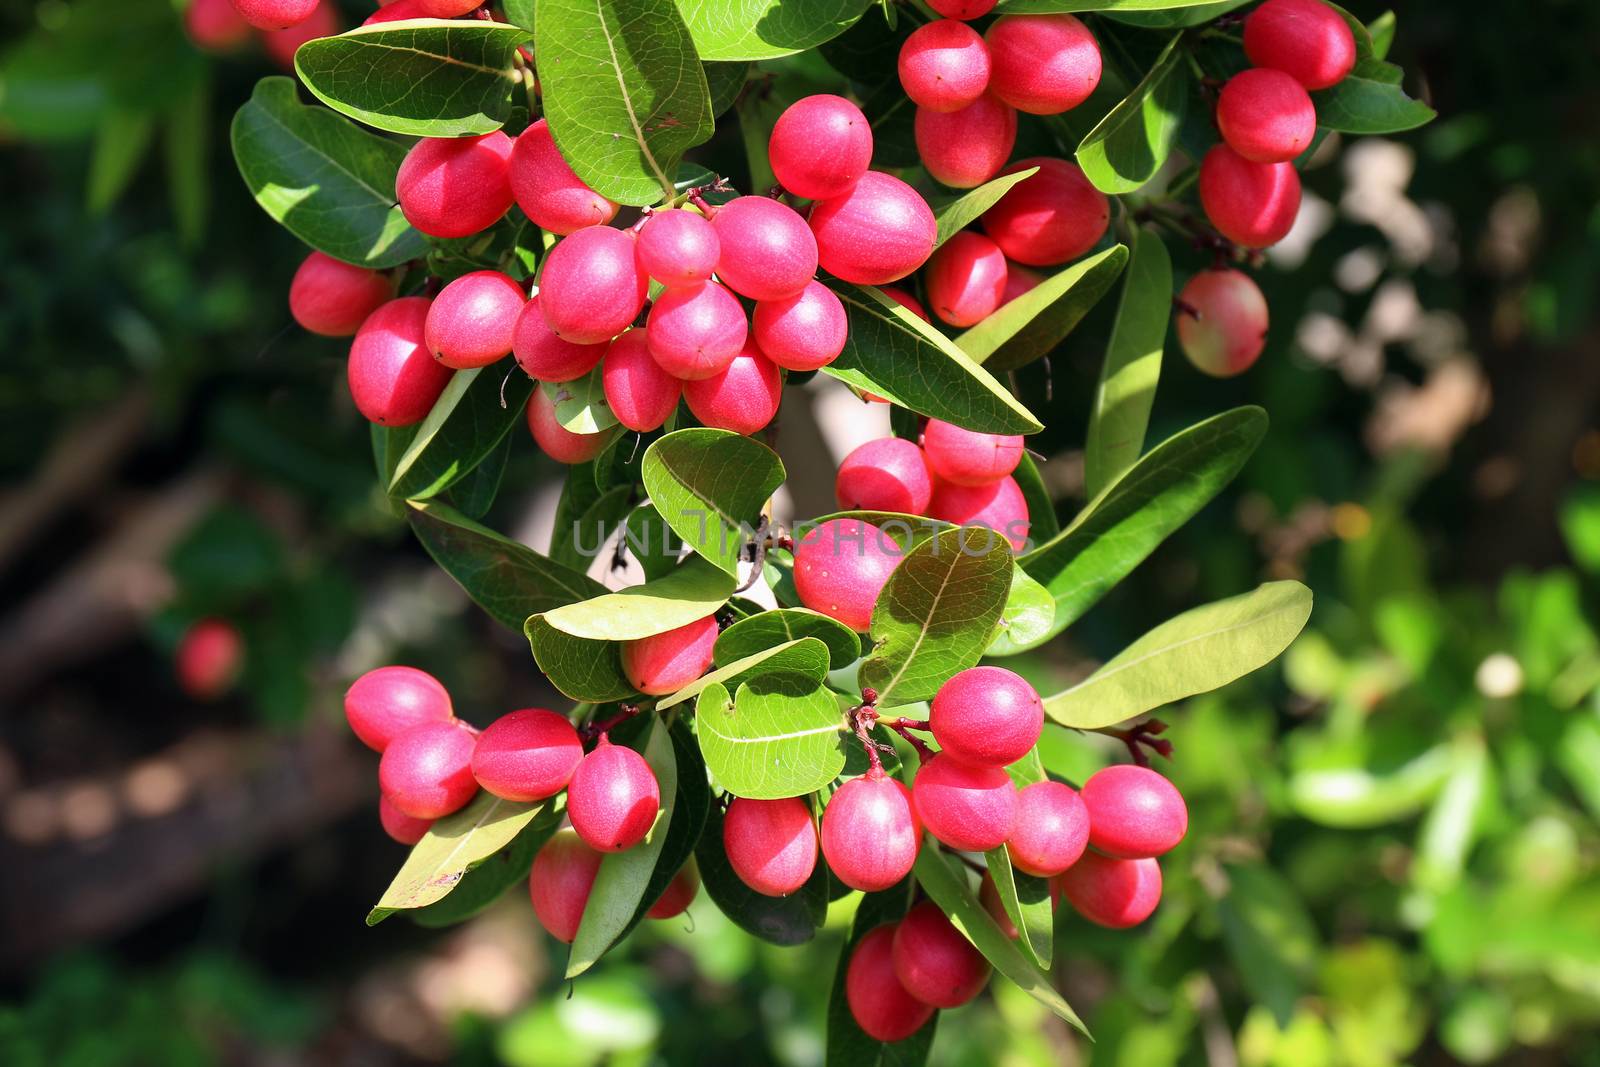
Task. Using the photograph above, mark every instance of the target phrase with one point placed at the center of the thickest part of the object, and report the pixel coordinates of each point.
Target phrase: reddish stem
(1141, 736)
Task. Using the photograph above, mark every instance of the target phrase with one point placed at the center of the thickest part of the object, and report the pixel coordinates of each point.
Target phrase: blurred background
(1394, 856)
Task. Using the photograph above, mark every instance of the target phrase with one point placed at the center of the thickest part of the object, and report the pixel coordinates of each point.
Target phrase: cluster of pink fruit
(226, 26)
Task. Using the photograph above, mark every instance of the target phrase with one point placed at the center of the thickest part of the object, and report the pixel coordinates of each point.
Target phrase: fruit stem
(924, 753)
(865, 717)
(1141, 736)
(596, 731)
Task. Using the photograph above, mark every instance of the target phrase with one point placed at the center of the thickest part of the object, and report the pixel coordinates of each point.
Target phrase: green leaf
(1132, 142)
(422, 77)
(1196, 652)
(896, 355)
(1270, 937)
(780, 735)
(325, 179)
(790, 920)
(1026, 620)
(579, 667)
(711, 486)
(936, 613)
(468, 422)
(947, 885)
(586, 518)
(1370, 100)
(806, 656)
(1030, 326)
(1124, 524)
(848, 1044)
(766, 29)
(1381, 29)
(1042, 521)
(1027, 904)
(1175, 17)
(956, 214)
(520, 12)
(1132, 366)
(723, 83)
(624, 91)
(488, 881)
(687, 594)
(868, 52)
(451, 847)
(775, 627)
(580, 406)
(120, 145)
(652, 542)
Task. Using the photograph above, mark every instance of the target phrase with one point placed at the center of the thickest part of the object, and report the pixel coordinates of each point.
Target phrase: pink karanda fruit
(1000, 506)
(771, 844)
(766, 250)
(1043, 64)
(962, 9)
(1305, 39)
(281, 45)
(907, 301)
(215, 25)
(986, 716)
(527, 755)
(695, 331)
(446, 9)
(879, 231)
(970, 457)
(473, 320)
(1019, 280)
(743, 397)
(678, 247)
(547, 190)
(969, 808)
(387, 701)
(274, 14)
(393, 378)
(666, 662)
(613, 797)
(426, 772)
(1112, 892)
(966, 280)
(1052, 829)
(455, 186)
(1266, 116)
(965, 148)
(1050, 217)
(1134, 813)
(1251, 204)
(543, 356)
(1222, 322)
(403, 828)
(887, 474)
(880, 1005)
(555, 440)
(333, 298)
(560, 882)
(591, 288)
(934, 961)
(679, 894)
(840, 567)
(820, 146)
(944, 65)
(209, 658)
(396, 11)
(639, 392)
(802, 332)
(870, 832)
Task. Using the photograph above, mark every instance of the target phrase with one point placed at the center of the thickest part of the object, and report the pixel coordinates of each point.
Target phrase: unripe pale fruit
(393, 378)
(1134, 813)
(426, 771)
(1043, 64)
(548, 191)
(965, 148)
(1111, 892)
(880, 1005)
(639, 392)
(840, 567)
(888, 474)
(1019, 280)
(879, 231)
(767, 251)
(400, 826)
(215, 25)
(801, 332)
(281, 45)
(1266, 116)
(209, 658)
(274, 14)
(962, 9)
(934, 961)
(743, 398)
(678, 247)
(870, 832)
(455, 186)
(999, 505)
(592, 288)
(1251, 204)
(666, 662)
(679, 894)
(966, 281)
(396, 11)
(1052, 829)
(613, 798)
(527, 755)
(546, 357)
(771, 844)
(944, 65)
(969, 457)
(554, 439)
(446, 9)
(820, 146)
(1054, 216)
(695, 331)
(473, 319)
(559, 884)
(907, 301)
(384, 703)
(1305, 39)
(333, 298)
(986, 716)
(1222, 322)
(969, 808)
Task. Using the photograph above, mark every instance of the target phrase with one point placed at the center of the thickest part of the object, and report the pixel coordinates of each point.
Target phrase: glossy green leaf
(690, 592)
(486, 883)
(1196, 652)
(724, 81)
(791, 920)
(869, 51)
(1129, 145)
(806, 656)
(779, 735)
(580, 406)
(848, 1044)
(1132, 367)
(651, 541)
(325, 179)
(1030, 326)
(1370, 100)
(1382, 30)
(471, 418)
(749, 636)
(1174, 18)
(1028, 617)
(1027, 904)
(1042, 521)
(958, 213)
(579, 667)
(765, 29)
(711, 486)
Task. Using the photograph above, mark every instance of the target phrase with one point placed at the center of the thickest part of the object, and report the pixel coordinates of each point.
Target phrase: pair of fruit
(563, 877)
(900, 973)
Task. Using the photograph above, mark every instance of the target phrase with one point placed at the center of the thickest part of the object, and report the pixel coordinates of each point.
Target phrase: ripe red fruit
(1112, 892)
(274, 14)
(384, 703)
(1251, 204)
(888, 474)
(801, 332)
(962, 9)
(396, 11)
(1303, 38)
(820, 146)
(743, 398)
(870, 832)
(393, 379)
(445, 9)
(678, 247)
(280, 45)
(966, 148)
(944, 65)
(999, 505)
(986, 716)
(840, 567)
(877, 232)
(934, 961)
(613, 798)
(771, 844)
(400, 826)
(696, 330)
(666, 662)
(547, 190)
(1052, 217)
(767, 250)
(559, 884)
(426, 771)
(968, 808)
(966, 278)
(455, 186)
(639, 392)
(215, 25)
(1222, 323)
(592, 288)
(209, 657)
(969, 457)
(880, 1005)
(333, 298)
(554, 439)
(1043, 64)
(1019, 280)
(473, 319)
(1266, 116)
(546, 357)
(527, 755)
(1052, 829)
(1134, 813)
(907, 301)
(679, 894)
